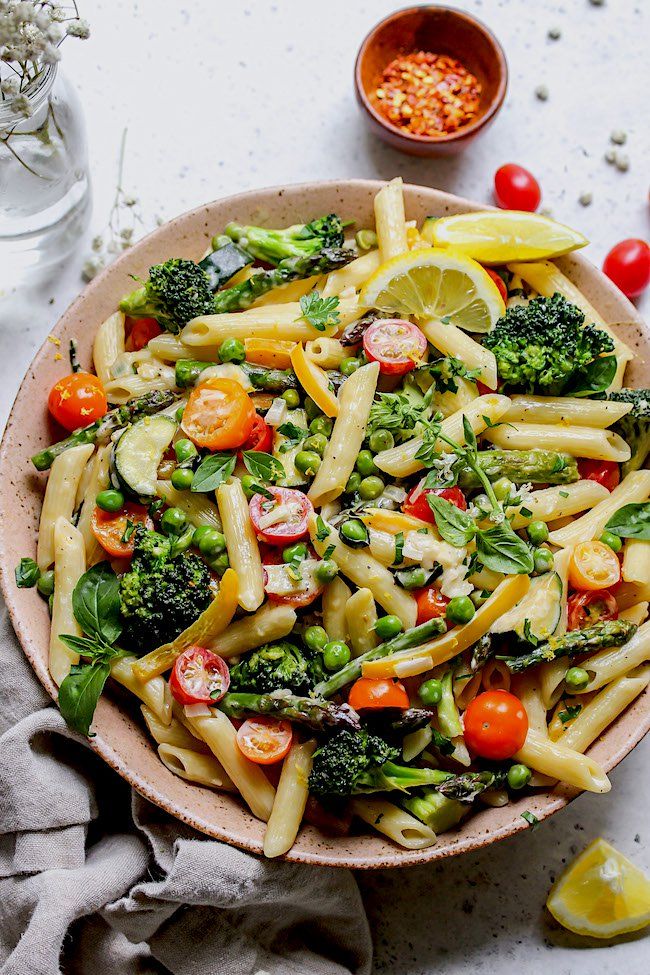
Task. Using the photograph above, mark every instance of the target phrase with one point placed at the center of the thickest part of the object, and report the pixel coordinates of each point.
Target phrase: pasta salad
(362, 521)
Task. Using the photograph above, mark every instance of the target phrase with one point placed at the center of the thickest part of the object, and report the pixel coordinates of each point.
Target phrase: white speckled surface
(219, 97)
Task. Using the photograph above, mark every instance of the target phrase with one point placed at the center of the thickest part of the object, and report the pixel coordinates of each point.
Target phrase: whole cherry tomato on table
(114, 530)
(593, 566)
(199, 676)
(516, 189)
(628, 266)
(587, 608)
(397, 345)
(295, 509)
(142, 331)
(77, 400)
(373, 693)
(605, 472)
(264, 740)
(416, 505)
(495, 725)
(219, 415)
(432, 605)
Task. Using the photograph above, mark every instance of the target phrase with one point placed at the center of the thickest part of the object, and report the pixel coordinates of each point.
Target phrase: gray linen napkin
(94, 879)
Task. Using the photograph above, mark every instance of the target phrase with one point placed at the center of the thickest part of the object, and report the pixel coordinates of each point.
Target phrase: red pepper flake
(428, 94)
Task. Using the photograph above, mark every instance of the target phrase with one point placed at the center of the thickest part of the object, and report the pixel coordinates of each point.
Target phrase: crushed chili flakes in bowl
(428, 94)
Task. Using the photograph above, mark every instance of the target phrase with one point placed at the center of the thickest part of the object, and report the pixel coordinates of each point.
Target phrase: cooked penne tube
(169, 348)
(633, 488)
(292, 291)
(243, 550)
(326, 353)
(361, 616)
(566, 410)
(290, 800)
(108, 345)
(596, 716)
(579, 441)
(448, 402)
(59, 500)
(556, 760)
(551, 680)
(175, 733)
(452, 341)
(395, 823)
(607, 665)
(273, 621)
(527, 688)
(558, 501)
(353, 275)
(154, 692)
(636, 614)
(194, 766)
(198, 508)
(495, 676)
(120, 391)
(391, 220)
(335, 598)
(69, 565)
(97, 482)
(636, 561)
(382, 546)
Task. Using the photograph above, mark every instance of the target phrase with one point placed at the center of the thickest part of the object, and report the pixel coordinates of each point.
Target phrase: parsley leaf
(320, 312)
(128, 531)
(446, 371)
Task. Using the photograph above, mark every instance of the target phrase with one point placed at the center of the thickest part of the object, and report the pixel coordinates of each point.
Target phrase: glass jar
(44, 179)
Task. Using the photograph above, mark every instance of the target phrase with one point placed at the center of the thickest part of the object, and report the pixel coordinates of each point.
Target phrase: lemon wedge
(601, 894)
(435, 283)
(500, 236)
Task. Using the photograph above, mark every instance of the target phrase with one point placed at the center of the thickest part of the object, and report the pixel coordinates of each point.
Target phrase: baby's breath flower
(79, 28)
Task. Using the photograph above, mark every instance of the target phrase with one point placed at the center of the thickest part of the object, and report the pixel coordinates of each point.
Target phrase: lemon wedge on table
(601, 894)
(435, 283)
(500, 236)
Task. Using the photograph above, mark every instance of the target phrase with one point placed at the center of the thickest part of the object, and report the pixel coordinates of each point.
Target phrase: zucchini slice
(541, 606)
(138, 453)
(293, 477)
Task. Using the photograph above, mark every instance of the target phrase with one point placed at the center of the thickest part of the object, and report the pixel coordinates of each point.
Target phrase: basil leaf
(80, 692)
(443, 744)
(631, 521)
(27, 574)
(322, 531)
(263, 466)
(212, 471)
(292, 432)
(454, 525)
(399, 548)
(594, 378)
(96, 603)
(502, 550)
(470, 436)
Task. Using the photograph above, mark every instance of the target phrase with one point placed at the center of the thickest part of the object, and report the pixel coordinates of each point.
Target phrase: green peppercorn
(173, 521)
(336, 654)
(312, 411)
(460, 610)
(182, 478)
(349, 365)
(371, 487)
(388, 626)
(353, 483)
(537, 532)
(576, 678)
(317, 442)
(365, 464)
(45, 584)
(354, 532)
(611, 540)
(247, 483)
(110, 500)
(219, 563)
(503, 488)
(292, 398)
(232, 350)
(543, 560)
(307, 462)
(209, 541)
(184, 450)
(430, 692)
(316, 637)
(326, 570)
(518, 776)
(321, 424)
(297, 551)
(381, 440)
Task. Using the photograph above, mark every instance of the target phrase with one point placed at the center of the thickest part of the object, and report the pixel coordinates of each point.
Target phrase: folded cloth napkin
(95, 879)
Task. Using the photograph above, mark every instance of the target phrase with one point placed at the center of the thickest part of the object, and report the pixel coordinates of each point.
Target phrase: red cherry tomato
(77, 400)
(431, 605)
(397, 345)
(587, 608)
(417, 506)
(482, 388)
(628, 266)
(199, 677)
(279, 586)
(142, 331)
(495, 725)
(605, 472)
(264, 740)
(516, 189)
(498, 280)
(373, 693)
(293, 525)
(110, 528)
(260, 437)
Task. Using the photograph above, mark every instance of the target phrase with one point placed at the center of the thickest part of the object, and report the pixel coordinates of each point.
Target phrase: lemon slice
(601, 894)
(500, 236)
(435, 283)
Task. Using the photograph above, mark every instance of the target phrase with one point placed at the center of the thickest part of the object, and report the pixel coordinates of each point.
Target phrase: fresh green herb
(525, 512)
(263, 466)
(596, 377)
(502, 550)
(446, 370)
(529, 636)
(128, 531)
(155, 506)
(530, 818)
(570, 712)
(96, 603)
(454, 525)
(563, 494)
(394, 412)
(329, 552)
(320, 312)
(322, 531)
(80, 691)
(399, 548)
(27, 573)
(631, 521)
(212, 471)
(443, 744)
(294, 435)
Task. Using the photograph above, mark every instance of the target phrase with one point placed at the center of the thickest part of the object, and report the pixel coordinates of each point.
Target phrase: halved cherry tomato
(516, 189)
(495, 725)
(628, 266)
(372, 693)
(303, 592)
(261, 436)
(142, 331)
(587, 608)
(431, 604)
(296, 509)
(264, 740)
(219, 415)
(593, 566)
(483, 390)
(500, 283)
(397, 345)
(605, 472)
(199, 677)
(115, 530)
(416, 504)
(77, 400)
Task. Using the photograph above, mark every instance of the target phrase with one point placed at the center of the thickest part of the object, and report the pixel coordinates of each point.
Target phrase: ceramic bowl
(442, 31)
(121, 739)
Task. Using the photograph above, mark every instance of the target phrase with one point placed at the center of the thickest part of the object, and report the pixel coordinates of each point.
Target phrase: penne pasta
(108, 345)
(290, 800)
(361, 616)
(59, 500)
(243, 550)
(390, 220)
(273, 621)
(335, 598)
(527, 688)
(636, 562)
(120, 391)
(559, 501)
(587, 442)
(175, 733)
(565, 410)
(556, 760)
(154, 692)
(352, 276)
(453, 341)
(395, 823)
(98, 481)
(604, 708)
(194, 766)
(198, 509)
(326, 353)
(633, 488)
(608, 665)
(69, 565)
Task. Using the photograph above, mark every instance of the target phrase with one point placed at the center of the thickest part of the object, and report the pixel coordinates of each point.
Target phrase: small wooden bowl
(442, 31)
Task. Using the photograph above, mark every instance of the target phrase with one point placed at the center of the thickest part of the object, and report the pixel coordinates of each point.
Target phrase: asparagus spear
(188, 372)
(522, 467)
(412, 638)
(607, 633)
(101, 430)
(314, 714)
(482, 650)
(411, 720)
(467, 786)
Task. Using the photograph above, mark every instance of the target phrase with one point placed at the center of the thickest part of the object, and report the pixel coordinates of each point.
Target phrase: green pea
(179, 414)
(414, 578)
(371, 487)
(354, 531)
(317, 442)
(537, 532)
(576, 678)
(219, 563)
(321, 424)
(543, 560)
(349, 365)
(312, 411)
(365, 464)
(297, 551)
(326, 570)
(353, 483)
(503, 488)
(316, 637)
(182, 478)
(110, 500)
(292, 398)
(518, 776)
(336, 654)
(232, 350)
(430, 692)
(307, 462)
(173, 521)
(460, 610)
(184, 450)
(209, 541)
(45, 584)
(611, 540)
(388, 626)
(365, 239)
(247, 483)
(381, 440)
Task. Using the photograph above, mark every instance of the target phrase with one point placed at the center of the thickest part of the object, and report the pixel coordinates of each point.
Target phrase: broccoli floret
(160, 596)
(356, 762)
(176, 292)
(544, 345)
(634, 427)
(274, 667)
(300, 240)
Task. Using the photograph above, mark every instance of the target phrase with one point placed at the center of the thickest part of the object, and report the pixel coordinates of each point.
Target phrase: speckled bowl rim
(217, 815)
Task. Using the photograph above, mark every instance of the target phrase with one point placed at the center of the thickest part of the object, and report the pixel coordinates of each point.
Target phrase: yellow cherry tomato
(593, 566)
